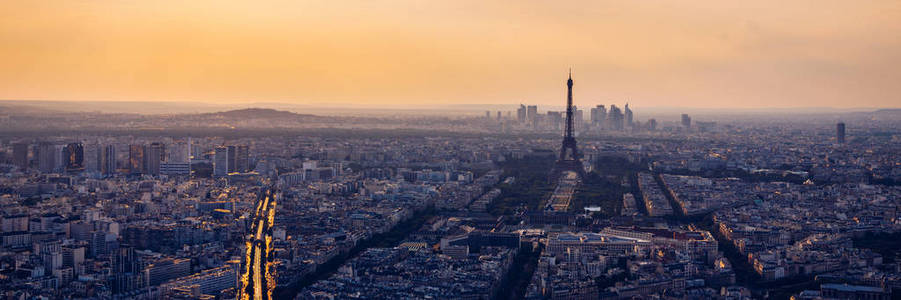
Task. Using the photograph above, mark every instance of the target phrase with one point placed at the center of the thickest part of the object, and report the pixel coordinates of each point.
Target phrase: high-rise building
(178, 153)
(92, 157)
(628, 115)
(136, 159)
(242, 158)
(98, 245)
(220, 161)
(615, 118)
(555, 118)
(108, 160)
(598, 115)
(177, 161)
(532, 113)
(840, 132)
(521, 114)
(593, 115)
(125, 260)
(20, 155)
(498, 115)
(163, 153)
(232, 154)
(154, 155)
(198, 152)
(125, 270)
(48, 157)
(578, 118)
(652, 124)
(190, 145)
(73, 157)
(686, 121)
(73, 256)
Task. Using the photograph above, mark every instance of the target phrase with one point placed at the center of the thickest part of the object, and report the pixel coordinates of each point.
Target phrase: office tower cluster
(599, 118)
(231, 159)
(102, 159)
(158, 159)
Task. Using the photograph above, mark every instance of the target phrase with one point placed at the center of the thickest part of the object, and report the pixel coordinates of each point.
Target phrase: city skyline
(491, 150)
(724, 55)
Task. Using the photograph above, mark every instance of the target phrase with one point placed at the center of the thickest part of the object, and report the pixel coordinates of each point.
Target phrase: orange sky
(724, 54)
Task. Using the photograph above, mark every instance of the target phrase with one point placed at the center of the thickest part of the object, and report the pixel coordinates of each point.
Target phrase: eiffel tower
(570, 158)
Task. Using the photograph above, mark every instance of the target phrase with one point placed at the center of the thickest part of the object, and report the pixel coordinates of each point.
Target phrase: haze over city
(377, 54)
(479, 150)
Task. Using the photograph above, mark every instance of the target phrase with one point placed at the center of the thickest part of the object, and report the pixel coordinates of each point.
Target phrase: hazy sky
(722, 54)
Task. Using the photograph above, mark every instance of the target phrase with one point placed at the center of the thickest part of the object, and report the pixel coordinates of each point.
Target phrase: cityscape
(498, 208)
(507, 182)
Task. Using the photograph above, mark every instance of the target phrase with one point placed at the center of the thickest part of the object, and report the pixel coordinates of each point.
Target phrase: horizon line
(462, 106)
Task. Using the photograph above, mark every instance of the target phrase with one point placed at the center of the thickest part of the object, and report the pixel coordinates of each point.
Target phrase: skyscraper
(178, 153)
(840, 132)
(600, 116)
(154, 156)
(593, 115)
(92, 157)
(628, 115)
(232, 155)
(686, 121)
(136, 159)
(177, 160)
(521, 114)
(220, 161)
(555, 118)
(532, 114)
(48, 156)
(125, 270)
(615, 118)
(20, 155)
(108, 160)
(578, 118)
(73, 157)
(242, 158)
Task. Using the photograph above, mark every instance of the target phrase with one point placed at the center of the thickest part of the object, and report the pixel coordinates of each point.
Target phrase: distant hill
(18, 109)
(888, 111)
(258, 113)
(885, 112)
(119, 107)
